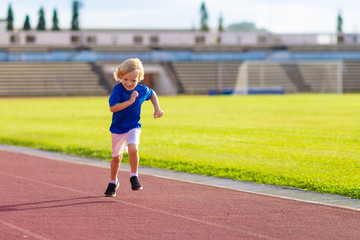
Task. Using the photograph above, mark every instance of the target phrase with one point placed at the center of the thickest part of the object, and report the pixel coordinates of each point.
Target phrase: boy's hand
(133, 96)
(158, 114)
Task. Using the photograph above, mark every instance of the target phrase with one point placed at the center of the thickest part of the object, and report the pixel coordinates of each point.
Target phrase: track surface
(48, 199)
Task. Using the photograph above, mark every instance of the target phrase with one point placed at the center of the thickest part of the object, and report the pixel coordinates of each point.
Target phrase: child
(125, 103)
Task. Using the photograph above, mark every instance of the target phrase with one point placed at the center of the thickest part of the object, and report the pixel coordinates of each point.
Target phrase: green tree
(75, 16)
(41, 24)
(10, 19)
(27, 23)
(55, 26)
(221, 25)
(244, 27)
(204, 18)
(339, 23)
(340, 35)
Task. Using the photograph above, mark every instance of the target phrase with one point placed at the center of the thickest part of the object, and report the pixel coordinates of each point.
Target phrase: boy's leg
(133, 157)
(134, 165)
(115, 167)
(118, 143)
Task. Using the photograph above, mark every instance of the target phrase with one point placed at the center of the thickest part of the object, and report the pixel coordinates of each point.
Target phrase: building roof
(138, 29)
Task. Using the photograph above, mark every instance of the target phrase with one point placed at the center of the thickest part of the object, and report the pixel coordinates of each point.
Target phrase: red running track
(49, 199)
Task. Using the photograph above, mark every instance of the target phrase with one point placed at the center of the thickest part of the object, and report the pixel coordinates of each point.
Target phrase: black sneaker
(111, 189)
(135, 183)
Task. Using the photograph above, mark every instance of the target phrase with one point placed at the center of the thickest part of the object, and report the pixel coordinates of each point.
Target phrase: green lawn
(306, 141)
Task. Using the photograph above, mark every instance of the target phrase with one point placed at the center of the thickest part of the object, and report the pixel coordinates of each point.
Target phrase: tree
(10, 19)
(339, 23)
(75, 17)
(204, 18)
(27, 23)
(55, 26)
(244, 27)
(340, 35)
(221, 27)
(41, 24)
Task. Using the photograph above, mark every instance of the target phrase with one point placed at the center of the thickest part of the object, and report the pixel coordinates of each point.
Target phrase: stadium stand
(269, 75)
(36, 48)
(301, 76)
(49, 78)
(321, 48)
(321, 78)
(296, 77)
(68, 70)
(199, 77)
(119, 48)
(351, 82)
(232, 48)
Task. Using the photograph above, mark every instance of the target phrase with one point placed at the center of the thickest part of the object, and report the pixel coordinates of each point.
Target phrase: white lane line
(144, 207)
(28, 233)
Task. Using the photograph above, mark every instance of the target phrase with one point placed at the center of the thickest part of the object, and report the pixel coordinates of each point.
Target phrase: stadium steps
(120, 48)
(49, 78)
(37, 48)
(200, 77)
(320, 79)
(294, 74)
(324, 48)
(270, 75)
(231, 48)
(351, 77)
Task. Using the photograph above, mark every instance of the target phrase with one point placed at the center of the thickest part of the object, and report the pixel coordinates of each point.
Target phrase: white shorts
(118, 141)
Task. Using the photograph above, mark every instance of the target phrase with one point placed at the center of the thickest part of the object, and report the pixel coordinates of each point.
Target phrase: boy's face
(130, 80)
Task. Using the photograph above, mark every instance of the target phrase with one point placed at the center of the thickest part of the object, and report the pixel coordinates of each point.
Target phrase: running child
(125, 102)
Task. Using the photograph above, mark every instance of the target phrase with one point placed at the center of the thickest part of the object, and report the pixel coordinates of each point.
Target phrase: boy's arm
(120, 106)
(158, 113)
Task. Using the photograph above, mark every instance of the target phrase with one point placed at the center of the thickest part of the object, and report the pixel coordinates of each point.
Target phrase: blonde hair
(129, 65)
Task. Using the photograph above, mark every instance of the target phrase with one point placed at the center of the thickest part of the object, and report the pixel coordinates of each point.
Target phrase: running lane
(49, 199)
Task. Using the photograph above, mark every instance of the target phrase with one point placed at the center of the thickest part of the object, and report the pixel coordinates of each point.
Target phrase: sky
(278, 16)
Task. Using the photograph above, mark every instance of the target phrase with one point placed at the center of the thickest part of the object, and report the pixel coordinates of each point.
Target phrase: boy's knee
(132, 148)
(116, 159)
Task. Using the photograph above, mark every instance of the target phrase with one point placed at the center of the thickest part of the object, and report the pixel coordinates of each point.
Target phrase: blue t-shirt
(128, 118)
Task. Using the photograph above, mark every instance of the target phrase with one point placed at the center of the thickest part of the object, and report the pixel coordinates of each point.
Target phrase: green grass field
(306, 141)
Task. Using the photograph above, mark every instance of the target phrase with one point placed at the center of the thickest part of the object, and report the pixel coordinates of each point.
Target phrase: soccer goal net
(289, 77)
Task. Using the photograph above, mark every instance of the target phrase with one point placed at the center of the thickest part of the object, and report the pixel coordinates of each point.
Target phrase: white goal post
(290, 76)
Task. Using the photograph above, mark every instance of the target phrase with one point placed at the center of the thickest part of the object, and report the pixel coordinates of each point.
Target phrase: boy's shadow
(54, 204)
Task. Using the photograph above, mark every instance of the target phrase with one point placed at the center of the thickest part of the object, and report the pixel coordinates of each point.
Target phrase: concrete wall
(149, 37)
(163, 85)
(159, 37)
